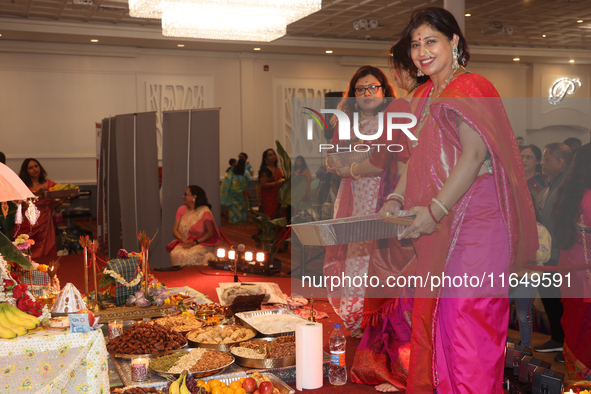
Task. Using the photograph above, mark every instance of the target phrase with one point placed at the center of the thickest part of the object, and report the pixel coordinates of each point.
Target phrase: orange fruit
(235, 385)
(239, 390)
(217, 390)
(224, 385)
(214, 383)
(200, 383)
(228, 390)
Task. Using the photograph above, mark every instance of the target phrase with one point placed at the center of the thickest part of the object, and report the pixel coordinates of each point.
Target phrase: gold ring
(415, 235)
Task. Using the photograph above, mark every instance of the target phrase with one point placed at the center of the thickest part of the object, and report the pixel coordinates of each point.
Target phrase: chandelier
(239, 20)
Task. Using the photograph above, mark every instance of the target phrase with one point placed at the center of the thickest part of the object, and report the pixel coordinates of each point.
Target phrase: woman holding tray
(364, 186)
(465, 172)
(43, 233)
(572, 230)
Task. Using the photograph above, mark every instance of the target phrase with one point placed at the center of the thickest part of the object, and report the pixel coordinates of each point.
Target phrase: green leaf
(285, 161)
(11, 253)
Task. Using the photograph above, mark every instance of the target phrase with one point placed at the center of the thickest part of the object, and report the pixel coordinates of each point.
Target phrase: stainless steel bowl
(246, 319)
(199, 374)
(263, 363)
(224, 347)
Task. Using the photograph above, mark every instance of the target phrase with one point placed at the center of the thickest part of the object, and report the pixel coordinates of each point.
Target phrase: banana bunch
(15, 322)
(179, 388)
(60, 186)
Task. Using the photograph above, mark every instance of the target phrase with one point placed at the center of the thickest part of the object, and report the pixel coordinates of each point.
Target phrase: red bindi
(419, 39)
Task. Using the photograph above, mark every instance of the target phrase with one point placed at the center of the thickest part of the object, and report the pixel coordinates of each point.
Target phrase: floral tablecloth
(50, 361)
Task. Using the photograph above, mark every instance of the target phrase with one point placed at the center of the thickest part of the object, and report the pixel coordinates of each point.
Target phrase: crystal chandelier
(240, 20)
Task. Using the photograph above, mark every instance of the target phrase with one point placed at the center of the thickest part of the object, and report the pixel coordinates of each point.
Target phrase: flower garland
(121, 280)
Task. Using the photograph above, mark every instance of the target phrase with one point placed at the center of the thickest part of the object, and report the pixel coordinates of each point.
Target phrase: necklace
(365, 117)
(427, 110)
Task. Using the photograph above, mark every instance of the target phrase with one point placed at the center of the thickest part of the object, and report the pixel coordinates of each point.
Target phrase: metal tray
(130, 356)
(354, 229)
(264, 363)
(200, 374)
(244, 317)
(224, 347)
(344, 159)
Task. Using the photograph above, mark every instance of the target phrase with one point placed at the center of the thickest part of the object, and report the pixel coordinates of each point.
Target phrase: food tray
(130, 356)
(123, 368)
(224, 347)
(200, 374)
(66, 193)
(229, 378)
(264, 363)
(244, 317)
(344, 159)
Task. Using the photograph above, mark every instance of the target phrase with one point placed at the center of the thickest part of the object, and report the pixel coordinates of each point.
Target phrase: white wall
(52, 95)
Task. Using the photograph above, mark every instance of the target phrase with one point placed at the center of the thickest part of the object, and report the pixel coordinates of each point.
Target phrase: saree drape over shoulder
(458, 337)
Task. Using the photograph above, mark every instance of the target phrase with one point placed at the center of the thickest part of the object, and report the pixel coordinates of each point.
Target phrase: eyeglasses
(185, 194)
(373, 89)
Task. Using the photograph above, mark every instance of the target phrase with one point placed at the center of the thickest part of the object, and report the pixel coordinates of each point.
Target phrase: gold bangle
(443, 208)
(351, 171)
(392, 195)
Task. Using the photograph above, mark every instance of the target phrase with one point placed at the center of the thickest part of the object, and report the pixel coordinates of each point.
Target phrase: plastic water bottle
(337, 374)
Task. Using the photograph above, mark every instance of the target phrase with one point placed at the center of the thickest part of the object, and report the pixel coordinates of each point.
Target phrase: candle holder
(139, 369)
(115, 328)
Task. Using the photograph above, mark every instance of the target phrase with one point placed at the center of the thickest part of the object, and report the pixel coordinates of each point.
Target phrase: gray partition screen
(128, 174)
(190, 156)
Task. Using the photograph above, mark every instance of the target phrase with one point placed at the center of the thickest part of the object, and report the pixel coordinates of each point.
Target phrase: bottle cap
(337, 326)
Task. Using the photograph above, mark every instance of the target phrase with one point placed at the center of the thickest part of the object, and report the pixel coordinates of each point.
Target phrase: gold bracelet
(443, 208)
(351, 171)
(392, 195)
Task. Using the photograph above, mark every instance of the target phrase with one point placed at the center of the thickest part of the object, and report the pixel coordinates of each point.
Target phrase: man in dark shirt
(555, 162)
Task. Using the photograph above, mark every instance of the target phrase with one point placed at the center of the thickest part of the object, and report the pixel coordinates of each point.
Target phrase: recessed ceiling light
(94, 40)
(329, 51)
(543, 35)
(571, 61)
(180, 45)
(257, 49)
(467, 15)
(580, 21)
(516, 59)
(0, 35)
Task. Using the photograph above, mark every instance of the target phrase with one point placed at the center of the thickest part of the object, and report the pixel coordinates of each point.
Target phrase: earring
(454, 64)
(420, 73)
(356, 107)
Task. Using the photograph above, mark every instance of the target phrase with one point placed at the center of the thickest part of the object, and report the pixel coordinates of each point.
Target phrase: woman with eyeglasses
(364, 185)
(194, 229)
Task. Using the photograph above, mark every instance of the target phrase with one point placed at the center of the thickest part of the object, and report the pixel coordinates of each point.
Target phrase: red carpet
(205, 280)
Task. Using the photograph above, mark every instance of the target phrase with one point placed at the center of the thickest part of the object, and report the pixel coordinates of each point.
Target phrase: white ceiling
(61, 21)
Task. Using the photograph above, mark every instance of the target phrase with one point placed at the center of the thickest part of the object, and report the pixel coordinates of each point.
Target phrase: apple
(266, 388)
(90, 316)
(249, 384)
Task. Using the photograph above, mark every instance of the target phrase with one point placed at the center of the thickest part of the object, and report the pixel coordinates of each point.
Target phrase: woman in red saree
(43, 233)
(271, 179)
(383, 354)
(465, 173)
(572, 230)
(195, 231)
(367, 94)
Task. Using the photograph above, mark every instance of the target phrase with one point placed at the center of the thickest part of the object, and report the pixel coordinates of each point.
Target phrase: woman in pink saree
(572, 230)
(195, 231)
(465, 173)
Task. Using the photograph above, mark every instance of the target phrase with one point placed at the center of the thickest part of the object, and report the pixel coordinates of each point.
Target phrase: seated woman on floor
(194, 229)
